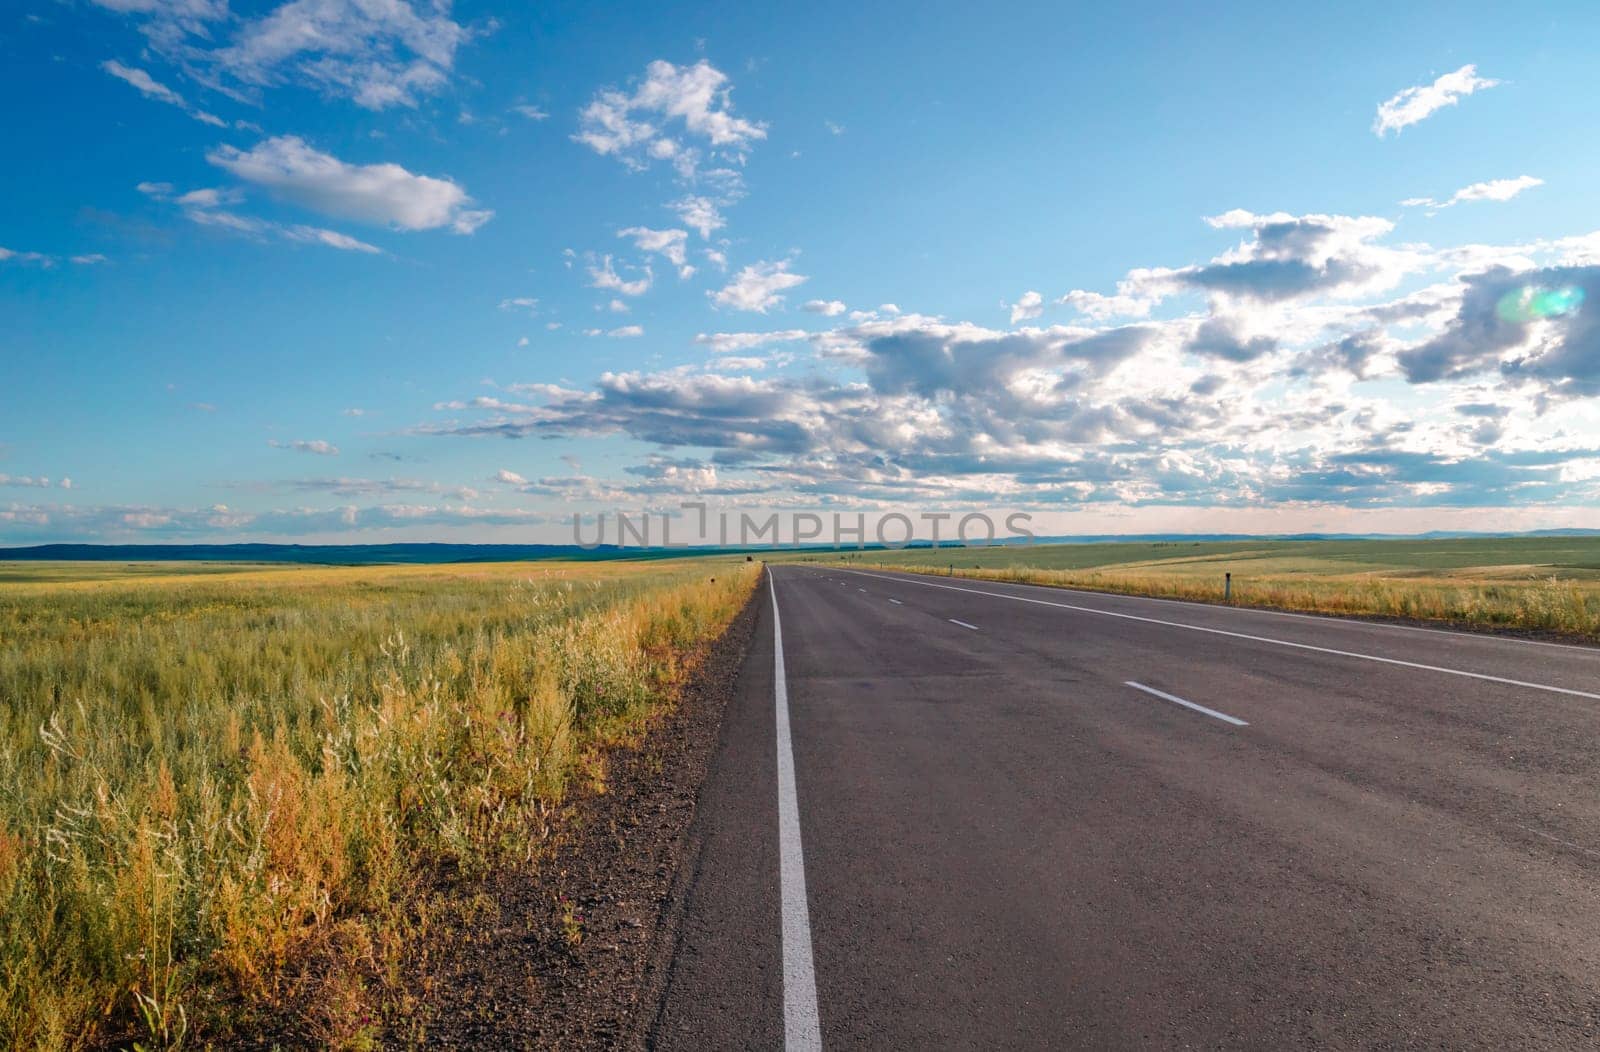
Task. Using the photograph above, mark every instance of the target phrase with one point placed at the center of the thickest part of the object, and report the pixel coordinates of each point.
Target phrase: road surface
(1033, 818)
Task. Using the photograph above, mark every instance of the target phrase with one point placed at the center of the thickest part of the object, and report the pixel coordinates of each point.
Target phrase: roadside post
(1227, 587)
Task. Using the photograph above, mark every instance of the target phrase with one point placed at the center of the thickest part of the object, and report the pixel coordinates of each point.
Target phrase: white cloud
(827, 308)
(605, 276)
(88, 259)
(520, 303)
(728, 342)
(385, 194)
(206, 197)
(148, 86)
(1029, 305)
(204, 207)
(626, 332)
(8, 255)
(510, 478)
(301, 445)
(700, 214)
(1286, 258)
(1127, 303)
(737, 365)
(331, 238)
(672, 244)
(834, 128)
(1492, 190)
(757, 287)
(379, 53)
(1418, 103)
(151, 88)
(633, 126)
(533, 113)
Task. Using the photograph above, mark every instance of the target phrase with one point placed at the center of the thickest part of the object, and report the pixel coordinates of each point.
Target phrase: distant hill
(367, 554)
(331, 554)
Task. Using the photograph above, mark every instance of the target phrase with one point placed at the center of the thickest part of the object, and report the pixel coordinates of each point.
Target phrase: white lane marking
(1245, 635)
(861, 589)
(897, 602)
(1558, 840)
(1455, 633)
(1223, 716)
(963, 624)
(801, 1028)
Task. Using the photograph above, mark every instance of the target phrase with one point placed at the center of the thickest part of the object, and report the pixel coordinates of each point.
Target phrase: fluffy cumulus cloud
(759, 287)
(670, 244)
(700, 214)
(1284, 257)
(384, 194)
(1537, 328)
(1285, 371)
(603, 274)
(1415, 104)
(1029, 305)
(669, 115)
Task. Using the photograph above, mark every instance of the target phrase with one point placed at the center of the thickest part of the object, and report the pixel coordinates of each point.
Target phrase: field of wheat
(209, 776)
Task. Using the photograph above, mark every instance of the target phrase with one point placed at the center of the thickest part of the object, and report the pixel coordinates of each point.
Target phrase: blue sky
(333, 270)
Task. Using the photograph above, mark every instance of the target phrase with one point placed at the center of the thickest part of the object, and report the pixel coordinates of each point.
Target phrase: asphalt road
(1016, 833)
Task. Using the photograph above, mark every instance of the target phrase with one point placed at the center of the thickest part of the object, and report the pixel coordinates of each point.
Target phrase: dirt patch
(564, 955)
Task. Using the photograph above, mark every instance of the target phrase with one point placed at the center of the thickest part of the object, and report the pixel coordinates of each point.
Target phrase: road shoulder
(567, 955)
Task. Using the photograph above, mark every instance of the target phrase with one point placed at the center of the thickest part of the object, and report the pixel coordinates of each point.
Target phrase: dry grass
(1493, 598)
(208, 779)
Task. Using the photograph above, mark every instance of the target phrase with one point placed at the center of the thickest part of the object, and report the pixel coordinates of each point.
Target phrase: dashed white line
(963, 624)
(1570, 692)
(801, 1028)
(897, 602)
(1454, 633)
(1213, 713)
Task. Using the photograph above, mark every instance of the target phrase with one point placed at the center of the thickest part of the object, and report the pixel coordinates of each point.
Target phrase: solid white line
(1558, 840)
(897, 602)
(1245, 635)
(1223, 716)
(963, 624)
(801, 1028)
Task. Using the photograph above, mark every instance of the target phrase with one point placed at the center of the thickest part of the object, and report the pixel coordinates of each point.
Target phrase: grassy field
(1544, 584)
(219, 784)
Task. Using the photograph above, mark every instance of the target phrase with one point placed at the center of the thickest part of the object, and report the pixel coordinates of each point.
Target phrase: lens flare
(1533, 302)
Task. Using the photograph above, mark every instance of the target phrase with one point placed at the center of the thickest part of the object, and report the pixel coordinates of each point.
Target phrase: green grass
(220, 787)
(1532, 583)
(1564, 557)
